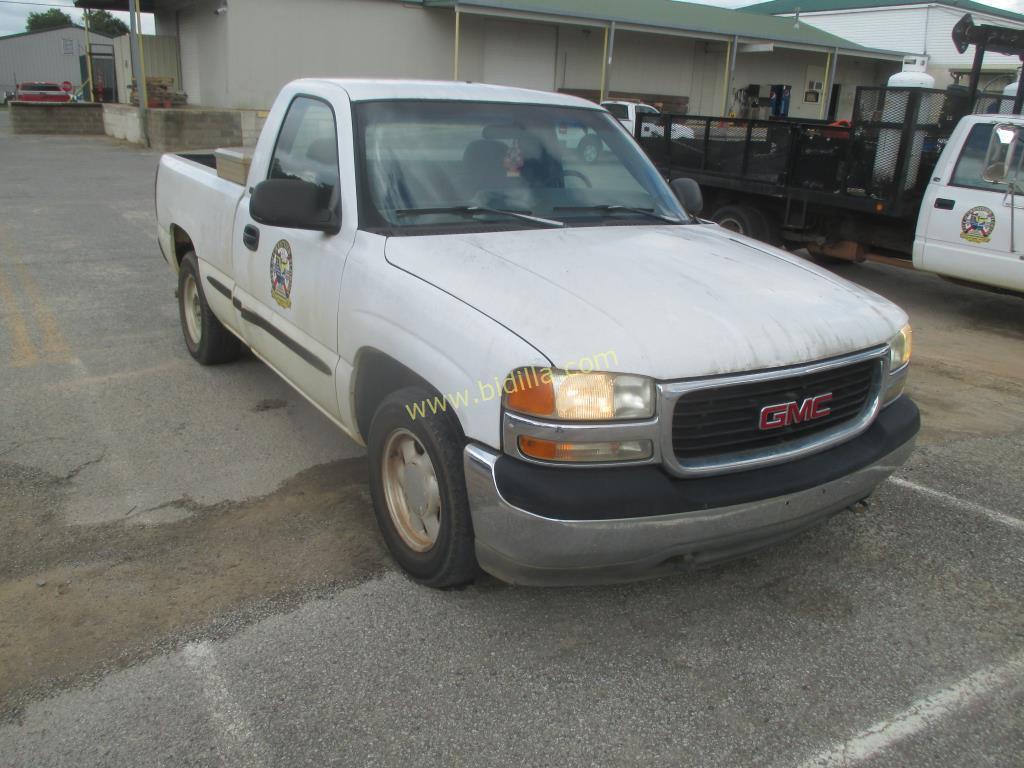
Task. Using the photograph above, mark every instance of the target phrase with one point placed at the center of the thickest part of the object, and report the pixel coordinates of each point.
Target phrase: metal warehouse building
(922, 28)
(53, 55)
(703, 59)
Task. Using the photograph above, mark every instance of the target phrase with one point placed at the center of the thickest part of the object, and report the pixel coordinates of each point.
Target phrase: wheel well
(182, 243)
(377, 376)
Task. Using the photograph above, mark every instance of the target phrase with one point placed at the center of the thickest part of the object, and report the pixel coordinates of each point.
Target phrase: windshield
(456, 166)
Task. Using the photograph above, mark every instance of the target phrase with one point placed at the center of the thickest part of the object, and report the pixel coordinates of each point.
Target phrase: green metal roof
(668, 14)
(775, 7)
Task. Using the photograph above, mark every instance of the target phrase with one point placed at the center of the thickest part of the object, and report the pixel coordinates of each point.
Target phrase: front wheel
(418, 488)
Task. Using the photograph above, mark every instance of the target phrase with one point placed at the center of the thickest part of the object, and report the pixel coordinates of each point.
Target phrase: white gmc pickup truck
(560, 374)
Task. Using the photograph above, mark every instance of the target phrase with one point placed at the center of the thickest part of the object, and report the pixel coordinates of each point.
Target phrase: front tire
(418, 488)
(207, 340)
(744, 220)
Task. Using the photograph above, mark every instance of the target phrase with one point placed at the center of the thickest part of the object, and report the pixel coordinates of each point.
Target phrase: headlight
(899, 349)
(579, 396)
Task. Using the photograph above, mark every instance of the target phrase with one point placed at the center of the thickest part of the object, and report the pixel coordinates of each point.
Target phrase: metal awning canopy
(706, 22)
(145, 6)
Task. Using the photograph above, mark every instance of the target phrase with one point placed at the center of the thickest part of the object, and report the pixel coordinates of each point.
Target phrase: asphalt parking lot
(190, 573)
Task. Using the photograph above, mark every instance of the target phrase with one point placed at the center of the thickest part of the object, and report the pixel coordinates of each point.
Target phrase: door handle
(944, 203)
(251, 237)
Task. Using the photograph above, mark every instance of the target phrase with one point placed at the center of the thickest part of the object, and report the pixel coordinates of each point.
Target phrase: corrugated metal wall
(51, 56)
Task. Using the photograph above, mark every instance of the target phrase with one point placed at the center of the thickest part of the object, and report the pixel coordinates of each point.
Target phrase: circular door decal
(977, 224)
(281, 273)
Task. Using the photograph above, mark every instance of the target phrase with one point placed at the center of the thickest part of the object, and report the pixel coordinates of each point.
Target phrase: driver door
(289, 280)
(968, 221)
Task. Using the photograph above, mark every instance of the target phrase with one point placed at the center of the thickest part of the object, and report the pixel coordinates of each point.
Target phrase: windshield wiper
(473, 210)
(650, 212)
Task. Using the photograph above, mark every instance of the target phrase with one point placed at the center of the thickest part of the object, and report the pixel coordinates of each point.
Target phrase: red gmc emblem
(784, 414)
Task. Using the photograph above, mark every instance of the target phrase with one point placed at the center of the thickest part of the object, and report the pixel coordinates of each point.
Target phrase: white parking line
(237, 741)
(918, 716)
(970, 506)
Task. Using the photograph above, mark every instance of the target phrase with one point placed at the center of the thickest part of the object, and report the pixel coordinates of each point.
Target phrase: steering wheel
(578, 175)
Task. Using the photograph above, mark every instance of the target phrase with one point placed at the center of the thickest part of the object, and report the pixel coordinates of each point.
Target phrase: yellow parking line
(54, 344)
(23, 353)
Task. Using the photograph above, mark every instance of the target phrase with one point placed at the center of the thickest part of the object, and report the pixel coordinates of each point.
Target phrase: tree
(104, 23)
(40, 20)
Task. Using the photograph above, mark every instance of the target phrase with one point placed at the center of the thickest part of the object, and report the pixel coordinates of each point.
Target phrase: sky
(14, 12)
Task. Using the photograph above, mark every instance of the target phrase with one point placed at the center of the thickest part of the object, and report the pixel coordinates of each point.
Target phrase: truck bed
(191, 196)
(209, 159)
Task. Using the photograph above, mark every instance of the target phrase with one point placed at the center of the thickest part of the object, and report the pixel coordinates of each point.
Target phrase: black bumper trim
(219, 286)
(253, 319)
(614, 493)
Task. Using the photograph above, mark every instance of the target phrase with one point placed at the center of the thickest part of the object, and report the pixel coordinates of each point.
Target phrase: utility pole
(140, 89)
(88, 58)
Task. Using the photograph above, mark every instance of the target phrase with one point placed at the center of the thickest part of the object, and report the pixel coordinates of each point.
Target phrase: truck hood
(664, 301)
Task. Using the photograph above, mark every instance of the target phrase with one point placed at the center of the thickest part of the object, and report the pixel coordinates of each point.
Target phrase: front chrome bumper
(521, 547)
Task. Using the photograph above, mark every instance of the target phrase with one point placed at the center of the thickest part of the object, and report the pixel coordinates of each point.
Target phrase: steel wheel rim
(411, 491)
(193, 310)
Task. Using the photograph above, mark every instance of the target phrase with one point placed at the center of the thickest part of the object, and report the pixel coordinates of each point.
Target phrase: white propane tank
(911, 80)
(1006, 105)
(894, 111)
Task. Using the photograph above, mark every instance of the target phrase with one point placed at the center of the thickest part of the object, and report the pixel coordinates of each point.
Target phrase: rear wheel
(419, 490)
(207, 340)
(744, 220)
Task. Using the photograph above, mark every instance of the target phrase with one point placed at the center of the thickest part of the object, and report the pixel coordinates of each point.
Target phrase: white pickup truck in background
(971, 224)
(626, 113)
(559, 373)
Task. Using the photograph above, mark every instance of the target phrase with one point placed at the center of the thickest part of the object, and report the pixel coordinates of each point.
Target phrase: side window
(970, 164)
(307, 146)
(642, 109)
(619, 111)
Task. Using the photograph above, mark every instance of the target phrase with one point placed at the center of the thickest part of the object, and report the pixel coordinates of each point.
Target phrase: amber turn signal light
(536, 448)
(619, 450)
(530, 391)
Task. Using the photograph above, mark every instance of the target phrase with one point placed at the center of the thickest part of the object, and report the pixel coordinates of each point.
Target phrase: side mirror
(687, 191)
(294, 204)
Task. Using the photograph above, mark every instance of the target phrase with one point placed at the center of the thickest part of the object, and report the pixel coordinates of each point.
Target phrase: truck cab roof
(369, 89)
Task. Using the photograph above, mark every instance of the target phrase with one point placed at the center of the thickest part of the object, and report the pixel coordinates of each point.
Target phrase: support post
(88, 57)
(730, 69)
(133, 39)
(606, 63)
(458, 26)
(144, 93)
(1018, 99)
(826, 87)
